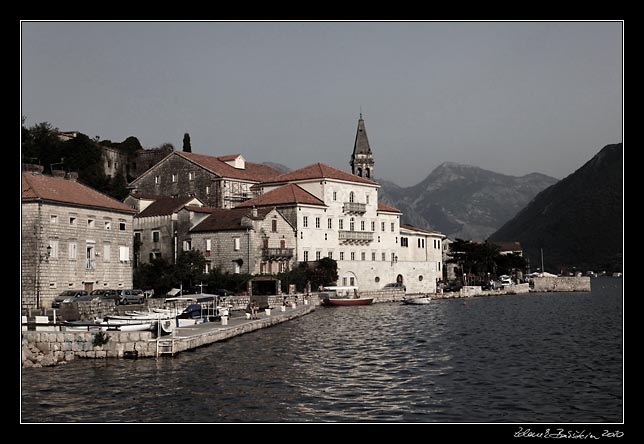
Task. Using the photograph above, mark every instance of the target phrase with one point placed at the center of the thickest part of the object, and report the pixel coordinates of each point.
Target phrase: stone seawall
(561, 283)
(42, 349)
(389, 295)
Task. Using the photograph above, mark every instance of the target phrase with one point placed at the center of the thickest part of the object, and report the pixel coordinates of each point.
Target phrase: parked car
(67, 296)
(453, 286)
(131, 296)
(102, 294)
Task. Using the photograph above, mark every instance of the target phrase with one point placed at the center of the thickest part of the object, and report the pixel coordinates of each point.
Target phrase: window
(351, 197)
(373, 255)
(317, 222)
(317, 255)
(191, 175)
(282, 243)
(329, 223)
(378, 239)
(157, 180)
(342, 255)
(207, 268)
(382, 226)
(107, 252)
(274, 225)
(187, 245)
(344, 282)
(362, 225)
(236, 243)
(305, 221)
(340, 224)
(377, 279)
(367, 199)
(207, 190)
(422, 243)
(439, 266)
(137, 238)
(404, 241)
(174, 178)
(330, 255)
(384, 256)
(353, 255)
(306, 256)
(420, 278)
(89, 257)
(352, 281)
(393, 257)
(208, 245)
(392, 227)
(72, 220)
(325, 236)
(72, 250)
(335, 196)
(396, 239)
(121, 226)
(124, 253)
(53, 219)
(156, 235)
(418, 243)
(352, 225)
(237, 268)
(363, 256)
(108, 225)
(54, 249)
(373, 226)
(439, 244)
(91, 223)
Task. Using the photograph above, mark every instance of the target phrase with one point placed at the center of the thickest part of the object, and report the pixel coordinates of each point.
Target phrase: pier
(47, 348)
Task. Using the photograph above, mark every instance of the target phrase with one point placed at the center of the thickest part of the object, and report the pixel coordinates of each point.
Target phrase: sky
(511, 97)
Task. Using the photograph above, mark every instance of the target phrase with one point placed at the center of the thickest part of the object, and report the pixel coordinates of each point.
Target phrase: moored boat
(343, 296)
(346, 301)
(417, 300)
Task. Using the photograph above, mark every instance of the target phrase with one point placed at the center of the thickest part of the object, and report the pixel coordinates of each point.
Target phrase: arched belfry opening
(362, 157)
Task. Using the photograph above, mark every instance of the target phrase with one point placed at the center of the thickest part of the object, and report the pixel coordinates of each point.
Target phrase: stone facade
(89, 249)
(561, 283)
(178, 176)
(265, 245)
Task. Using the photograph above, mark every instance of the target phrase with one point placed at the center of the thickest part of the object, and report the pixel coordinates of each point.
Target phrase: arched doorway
(399, 279)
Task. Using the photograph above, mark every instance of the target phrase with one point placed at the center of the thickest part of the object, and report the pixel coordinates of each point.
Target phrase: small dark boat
(346, 301)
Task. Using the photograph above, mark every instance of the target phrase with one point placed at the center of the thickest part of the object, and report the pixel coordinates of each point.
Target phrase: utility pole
(542, 270)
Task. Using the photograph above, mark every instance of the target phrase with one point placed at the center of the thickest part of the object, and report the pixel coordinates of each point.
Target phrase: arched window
(367, 173)
(359, 171)
(351, 197)
(352, 225)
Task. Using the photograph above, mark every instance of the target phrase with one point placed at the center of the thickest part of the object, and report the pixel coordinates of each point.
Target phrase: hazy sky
(512, 97)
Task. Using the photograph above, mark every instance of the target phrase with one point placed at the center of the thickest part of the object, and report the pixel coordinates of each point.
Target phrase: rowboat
(343, 296)
(108, 326)
(340, 302)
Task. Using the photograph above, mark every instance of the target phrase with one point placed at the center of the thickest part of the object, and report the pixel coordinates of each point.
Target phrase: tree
(324, 272)
(186, 143)
(190, 267)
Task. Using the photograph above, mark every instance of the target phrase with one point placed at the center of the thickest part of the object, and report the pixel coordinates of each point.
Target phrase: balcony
(354, 208)
(277, 253)
(90, 264)
(355, 237)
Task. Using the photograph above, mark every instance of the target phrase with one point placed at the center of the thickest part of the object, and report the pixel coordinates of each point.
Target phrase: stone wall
(389, 295)
(561, 283)
(42, 349)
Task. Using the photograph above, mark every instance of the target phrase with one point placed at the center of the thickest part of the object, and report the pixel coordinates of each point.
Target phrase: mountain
(578, 222)
(463, 201)
(278, 166)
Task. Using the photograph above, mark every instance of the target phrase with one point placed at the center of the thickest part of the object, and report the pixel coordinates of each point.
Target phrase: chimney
(72, 176)
(58, 173)
(33, 167)
(254, 212)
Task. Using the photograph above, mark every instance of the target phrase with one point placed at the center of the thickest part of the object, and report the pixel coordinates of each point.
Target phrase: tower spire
(362, 158)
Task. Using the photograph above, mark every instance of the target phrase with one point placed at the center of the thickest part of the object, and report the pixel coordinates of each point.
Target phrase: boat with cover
(416, 300)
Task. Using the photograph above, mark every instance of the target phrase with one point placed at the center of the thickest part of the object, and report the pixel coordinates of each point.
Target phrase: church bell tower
(362, 158)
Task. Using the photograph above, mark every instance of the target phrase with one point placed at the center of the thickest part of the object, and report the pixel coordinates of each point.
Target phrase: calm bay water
(550, 357)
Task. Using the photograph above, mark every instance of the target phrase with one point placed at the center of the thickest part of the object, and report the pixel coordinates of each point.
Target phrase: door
(89, 286)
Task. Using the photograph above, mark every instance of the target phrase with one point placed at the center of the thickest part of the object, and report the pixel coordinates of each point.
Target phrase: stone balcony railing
(355, 237)
(275, 253)
(354, 208)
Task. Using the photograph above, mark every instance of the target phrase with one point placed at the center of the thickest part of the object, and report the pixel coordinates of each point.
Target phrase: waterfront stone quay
(48, 348)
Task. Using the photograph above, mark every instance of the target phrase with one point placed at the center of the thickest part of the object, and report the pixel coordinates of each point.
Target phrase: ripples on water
(553, 357)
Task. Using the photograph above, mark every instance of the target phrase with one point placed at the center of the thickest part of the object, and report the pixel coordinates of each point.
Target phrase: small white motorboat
(417, 300)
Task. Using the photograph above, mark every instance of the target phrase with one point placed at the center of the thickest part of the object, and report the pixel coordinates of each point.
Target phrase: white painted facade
(365, 242)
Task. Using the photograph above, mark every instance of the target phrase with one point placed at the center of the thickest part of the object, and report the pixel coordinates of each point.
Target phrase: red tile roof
(64, 191)
(387, 208)
(165, 206)
(254, 172)
(319, 171)
(284, 195)
(228, 219)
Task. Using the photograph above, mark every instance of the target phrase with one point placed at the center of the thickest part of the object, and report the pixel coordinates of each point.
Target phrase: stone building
(336, 214)
(219, 182)
(73, 237)
(161, 228)
(245, 240)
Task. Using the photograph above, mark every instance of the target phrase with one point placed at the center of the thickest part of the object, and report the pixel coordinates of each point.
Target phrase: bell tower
(362, 158)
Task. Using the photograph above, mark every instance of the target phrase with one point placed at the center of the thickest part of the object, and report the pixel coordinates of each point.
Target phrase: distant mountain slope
(462, 200)
(578, 221)
(278, 166)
